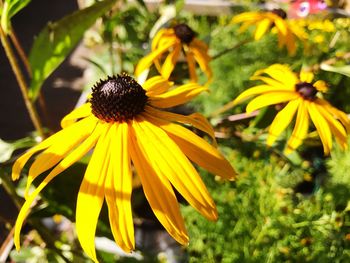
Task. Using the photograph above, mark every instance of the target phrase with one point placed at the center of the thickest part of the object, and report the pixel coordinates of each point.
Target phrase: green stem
(239, 44)
(21, 82)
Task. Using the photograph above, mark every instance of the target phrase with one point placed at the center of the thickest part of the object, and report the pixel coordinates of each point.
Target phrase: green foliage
(9, 9)
(58, 39)
(261, 221)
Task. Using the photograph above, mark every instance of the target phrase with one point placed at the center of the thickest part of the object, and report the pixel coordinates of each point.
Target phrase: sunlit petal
(158, 192)
(306, 76)
(282, 120)
(261, 28)
(270, 98)
(78, 113)
(156, 85)
(168, 161)
(118, 188)
(300, 129)
(322, 127)
(177, 96)
(91, 194)
(170, 62)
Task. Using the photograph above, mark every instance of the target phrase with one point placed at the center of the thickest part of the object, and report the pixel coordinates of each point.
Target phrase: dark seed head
(184, 33)
(280, 12)
(306, 90)
(117, 99)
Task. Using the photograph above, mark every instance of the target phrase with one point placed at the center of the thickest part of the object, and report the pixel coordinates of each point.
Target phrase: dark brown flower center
(184, 33)
(306, 90)
(117, 99)
(280, 12)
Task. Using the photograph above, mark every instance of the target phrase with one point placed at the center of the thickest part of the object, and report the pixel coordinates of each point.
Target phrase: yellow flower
(300, 96)
(174, 41)
(274, 20)
(125, 123)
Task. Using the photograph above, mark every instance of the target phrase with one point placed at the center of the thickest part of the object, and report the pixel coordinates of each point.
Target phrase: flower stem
(239, 44)
(21, 82)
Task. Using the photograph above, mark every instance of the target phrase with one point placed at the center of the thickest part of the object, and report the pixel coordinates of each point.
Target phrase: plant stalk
(21, 82)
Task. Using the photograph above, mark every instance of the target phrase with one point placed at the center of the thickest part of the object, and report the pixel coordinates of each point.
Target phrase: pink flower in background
(300, 8)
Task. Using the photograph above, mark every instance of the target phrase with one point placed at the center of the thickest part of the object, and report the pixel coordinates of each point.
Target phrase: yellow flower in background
(300, 96)
(125, 124)
(167, 47)
(274, 20)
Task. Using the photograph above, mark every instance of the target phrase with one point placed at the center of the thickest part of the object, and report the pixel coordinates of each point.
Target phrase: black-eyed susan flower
(167, 47)
(274, 20)
(300, 96)
(125, 124)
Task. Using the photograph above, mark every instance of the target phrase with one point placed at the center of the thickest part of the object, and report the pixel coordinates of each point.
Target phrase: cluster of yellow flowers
(127, 124)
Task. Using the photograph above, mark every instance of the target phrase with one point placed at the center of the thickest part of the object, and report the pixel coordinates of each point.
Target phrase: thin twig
(21, 82)
(239, 44)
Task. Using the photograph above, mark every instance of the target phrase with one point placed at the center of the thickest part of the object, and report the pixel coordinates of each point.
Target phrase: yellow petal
(306, 76)
(270, 98)
(281, 73)
(168, 161)
(146, 61)
(180, 95)
(274, 83)
(78, 113)
(261, 28)
(91, 194)
(191, 66)
(71, 158)
(118, 189)
(290, 43)
(322, 127)
(281, 121)
(300, 129)
(336, 128)
(170, 62)
(203, 60)
(281, 25)
(338, 114)
(56, 152)
(158, 192)
(196, 149)
(198, 44)
(246, 16)
(196, 119)
(260, 89)
(320, 85)
(55, 138)
(156, 85)
(160, 34)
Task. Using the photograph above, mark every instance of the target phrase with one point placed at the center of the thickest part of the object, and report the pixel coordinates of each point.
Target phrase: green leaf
(345, 70)
(10, 8)
(7, 148)
(57, 40)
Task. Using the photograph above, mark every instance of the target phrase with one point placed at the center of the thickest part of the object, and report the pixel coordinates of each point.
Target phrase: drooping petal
(196, 119)
(300, 129)
(156, 85)
(336, 128)
(195, 148)
(270, 98)
(247, 16)
(78, 113)
(281, 121)
(322, 127)
(177, 96)
(118, 188)
(168, 161)
(191, 66)
(338, 114)
(203, 60)
(306, 76)
(170, 62)
(158, 192)
(290, 43)
(70, 159)
(163, 32)
(261, 28)
(56, 152)
(281, 25)
(146, 61)
(53, 139)
(91, 194)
